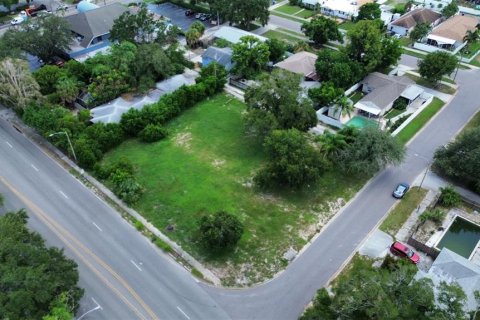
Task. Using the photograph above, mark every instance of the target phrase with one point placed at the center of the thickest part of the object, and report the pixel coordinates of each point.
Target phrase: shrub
(163, 245)
(400, 104)
(125, 186)
(399, 122)
(139, 225)
(132, 122)
(152, 133)
(449, 197)
(220, 231)
(105, 171)
(87, 152)
(436, 216)
(108, 135)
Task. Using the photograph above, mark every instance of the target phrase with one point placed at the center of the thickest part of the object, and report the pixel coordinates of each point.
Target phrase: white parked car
(17, 20)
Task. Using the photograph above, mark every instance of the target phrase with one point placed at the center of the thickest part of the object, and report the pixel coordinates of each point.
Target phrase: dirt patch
(218, 163)
(183, 139)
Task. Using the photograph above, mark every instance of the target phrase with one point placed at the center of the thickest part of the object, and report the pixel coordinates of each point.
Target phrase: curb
(63, 161)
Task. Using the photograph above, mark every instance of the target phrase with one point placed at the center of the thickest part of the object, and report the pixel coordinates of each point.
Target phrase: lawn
(404, 208)
(347, 25)
(291, 32)
(289, 17)
(393, 113)
(206, 165)
(295, 11)
(414, 53)
(471, 49)
(356, 96)
(420, 120)
(273, 34)
(473, 123)
(439, 86)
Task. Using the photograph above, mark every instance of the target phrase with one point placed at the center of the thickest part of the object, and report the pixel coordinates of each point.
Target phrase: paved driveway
(176, 14)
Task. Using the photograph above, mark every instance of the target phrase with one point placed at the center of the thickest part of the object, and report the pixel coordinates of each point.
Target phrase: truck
(30, 12)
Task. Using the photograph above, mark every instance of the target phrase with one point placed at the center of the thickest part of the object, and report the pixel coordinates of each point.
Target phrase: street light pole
(69, 142)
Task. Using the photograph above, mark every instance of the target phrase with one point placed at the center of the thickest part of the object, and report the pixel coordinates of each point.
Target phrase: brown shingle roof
(417, 16)
(456, 27)
(302, 63)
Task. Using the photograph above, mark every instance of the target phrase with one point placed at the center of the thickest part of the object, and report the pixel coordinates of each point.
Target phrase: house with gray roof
(92, 27)
(451, 267)
(382, 90)
(406, 23)
(221, 56)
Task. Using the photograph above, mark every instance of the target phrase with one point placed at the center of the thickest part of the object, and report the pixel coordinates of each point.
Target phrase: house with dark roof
(221, 56)
(382, 90)
(92, 27)
(451, 267)
(406, 23)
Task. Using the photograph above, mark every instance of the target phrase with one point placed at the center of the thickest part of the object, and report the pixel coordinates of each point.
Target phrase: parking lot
(176, 14)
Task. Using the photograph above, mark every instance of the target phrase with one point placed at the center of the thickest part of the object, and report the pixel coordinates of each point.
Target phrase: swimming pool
(461, 237)
(361, 122)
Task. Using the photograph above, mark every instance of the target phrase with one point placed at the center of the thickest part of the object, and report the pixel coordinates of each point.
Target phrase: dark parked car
(189, 13)
(400, 190)
(401, 250)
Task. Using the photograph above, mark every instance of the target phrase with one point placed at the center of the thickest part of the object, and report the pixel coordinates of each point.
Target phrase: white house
(344, 9)
(406, 23)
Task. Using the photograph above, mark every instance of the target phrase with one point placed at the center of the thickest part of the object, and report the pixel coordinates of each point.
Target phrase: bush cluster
(436, 215)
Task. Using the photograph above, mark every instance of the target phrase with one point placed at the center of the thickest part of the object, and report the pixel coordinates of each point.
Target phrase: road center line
(136, 265)
(9, 144)
(35, 168)
(179, 309)
(96, 226)
(63, 194)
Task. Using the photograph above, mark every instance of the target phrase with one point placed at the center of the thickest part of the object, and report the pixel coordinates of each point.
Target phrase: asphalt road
(127, 276)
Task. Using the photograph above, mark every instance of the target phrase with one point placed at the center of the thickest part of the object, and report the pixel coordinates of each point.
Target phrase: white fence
(410, 119)
(327, 120)
(352, 88)
(428, 48)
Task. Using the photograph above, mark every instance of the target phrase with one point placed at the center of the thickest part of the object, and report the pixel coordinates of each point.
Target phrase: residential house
(344, 9)
(450, 267)
(406, 23)
(382, 90)
(91, 27)
(301, 63)
(222, 56)
(450, 34)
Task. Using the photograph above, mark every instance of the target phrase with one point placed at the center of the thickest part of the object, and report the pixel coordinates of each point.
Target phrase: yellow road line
(63, 234)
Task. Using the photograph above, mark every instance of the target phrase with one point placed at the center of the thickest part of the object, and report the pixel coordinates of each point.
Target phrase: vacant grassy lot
(439, 86)
(404, 208)
(273, 34)
(206, 165)
(295, 11)
(347, 25)
(413, 127)
(287, 16)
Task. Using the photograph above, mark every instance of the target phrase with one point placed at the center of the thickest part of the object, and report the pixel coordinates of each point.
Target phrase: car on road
(198, 15)
(17, 20)
(189, 13)
(400, 190)
(401, 250)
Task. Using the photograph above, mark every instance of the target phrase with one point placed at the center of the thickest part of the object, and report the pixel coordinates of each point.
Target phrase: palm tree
(331, 144)
(345, 106)
(471, 36)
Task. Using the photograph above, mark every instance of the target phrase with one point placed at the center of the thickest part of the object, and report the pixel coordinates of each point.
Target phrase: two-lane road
(120, 269)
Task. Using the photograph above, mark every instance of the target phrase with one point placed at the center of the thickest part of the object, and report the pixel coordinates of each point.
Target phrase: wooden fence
(433, 252)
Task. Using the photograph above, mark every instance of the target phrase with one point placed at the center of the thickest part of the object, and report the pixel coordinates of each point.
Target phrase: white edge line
(96, 226)
(35, 168)
(63, 194)
(9, 144)
(179, 309)
(98, 304)
(136, 265)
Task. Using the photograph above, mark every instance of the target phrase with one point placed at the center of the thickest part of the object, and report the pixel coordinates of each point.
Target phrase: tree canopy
(370, 151)
(420, 31)
(220, 231)
(460, 159)
(278, 102)
(436, 65)
(244, 12)
(250, 56)
(388, 292)
(338, 68)
(33, 277)
(321, 29)
(18, 88)
(277, 49)
(293, 161)
(369, 11)
(450, 9)
(44, 37)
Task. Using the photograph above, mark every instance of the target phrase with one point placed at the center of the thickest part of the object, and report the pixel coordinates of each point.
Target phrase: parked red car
(401, 250)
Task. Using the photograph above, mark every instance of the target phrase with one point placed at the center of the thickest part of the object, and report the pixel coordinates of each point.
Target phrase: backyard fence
(433, 252)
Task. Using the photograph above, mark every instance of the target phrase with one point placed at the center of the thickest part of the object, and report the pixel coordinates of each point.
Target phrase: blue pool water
(361, 122)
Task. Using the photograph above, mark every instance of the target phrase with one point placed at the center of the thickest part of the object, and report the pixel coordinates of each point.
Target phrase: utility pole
(69, 142)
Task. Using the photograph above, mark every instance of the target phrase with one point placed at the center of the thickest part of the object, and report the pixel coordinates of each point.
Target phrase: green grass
(439, 86)
(393, 113)
(404, 208)
(206, 165)
(288, 9)
(286, 16)
(405, 41)
(420, 120)
(473, 123)
(414, 53)
(305, 14)
(471, 48)
(347, 25)
(291, 32)
(356, 96)
(272, 34)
